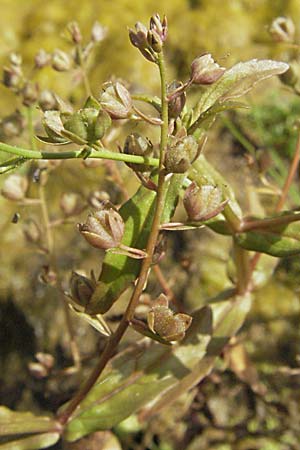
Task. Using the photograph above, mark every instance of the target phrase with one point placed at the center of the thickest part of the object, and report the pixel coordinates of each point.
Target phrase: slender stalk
(114, 340)
(77, 154)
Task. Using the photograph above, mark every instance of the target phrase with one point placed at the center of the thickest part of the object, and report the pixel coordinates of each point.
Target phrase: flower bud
(116, 100)
(103, 229)
(177, 102)
(82, 289)
(71, 204)
(154, 41)
(30, 93)
(98, 33)
(12, 77)
(181, 154)
(162, 320)
(282, 29)
(12, 125)
(204, 70)
(42, 59)
(15, 187)
(203, 202)
(138, 38)
(61, 61)
(75, 33)
(47, 101)
(32, 232)
(135, 144)
(160, 27)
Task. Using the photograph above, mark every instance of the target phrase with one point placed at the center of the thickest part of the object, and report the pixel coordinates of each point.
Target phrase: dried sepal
(203, 202)
(204, 70)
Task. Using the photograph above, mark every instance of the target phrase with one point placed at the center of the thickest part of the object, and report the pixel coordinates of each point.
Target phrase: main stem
(114, 340)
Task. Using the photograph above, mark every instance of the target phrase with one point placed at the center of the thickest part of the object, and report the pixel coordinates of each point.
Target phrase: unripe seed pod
(103, 229)
(15, 187)
(181, 154)
(203, 202)
(61, 61)
(82, 289)
(135, 144)
(116, 100)
(176, 104)
(204, 70)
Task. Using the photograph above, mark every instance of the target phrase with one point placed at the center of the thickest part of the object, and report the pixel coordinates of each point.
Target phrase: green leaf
(32, 443)
(237, 81)
(144, 374)
(14, 423)
(120, 271)
(277, 241)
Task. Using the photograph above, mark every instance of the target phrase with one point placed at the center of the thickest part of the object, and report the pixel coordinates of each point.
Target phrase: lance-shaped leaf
(237, 81)
(280, 241)
(41, 431)
(36, 442)
(119, 271)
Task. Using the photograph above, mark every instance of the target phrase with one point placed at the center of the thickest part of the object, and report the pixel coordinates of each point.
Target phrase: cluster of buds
(116, 100)
(203, 202)
(181, 153)
(163, 322)
(103, 229)
(150, 41)
(135, 144)
(85, 126)
(282, 29)
(14, 79)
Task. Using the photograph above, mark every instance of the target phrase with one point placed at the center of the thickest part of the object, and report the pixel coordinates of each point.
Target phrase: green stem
(242, 263)
(77, 154)
(114, 340)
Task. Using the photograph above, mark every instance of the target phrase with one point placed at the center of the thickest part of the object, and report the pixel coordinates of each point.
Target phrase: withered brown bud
(103, 229)
(154, 41)
(71, 204)
(61, 61)
(181, 153)
(139, 39)
(292, 76)
(75, 33)
(203, 202)
(159, 26)
(282, 29)
(204, 70)
(162, 320)
(47, 100)
(15, 187)
(135, 144)
(12, 77)
(116, 100)
(81, 288)
(177, 101)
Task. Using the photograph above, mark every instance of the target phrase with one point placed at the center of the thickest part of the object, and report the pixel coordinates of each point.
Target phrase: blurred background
(257, 410)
